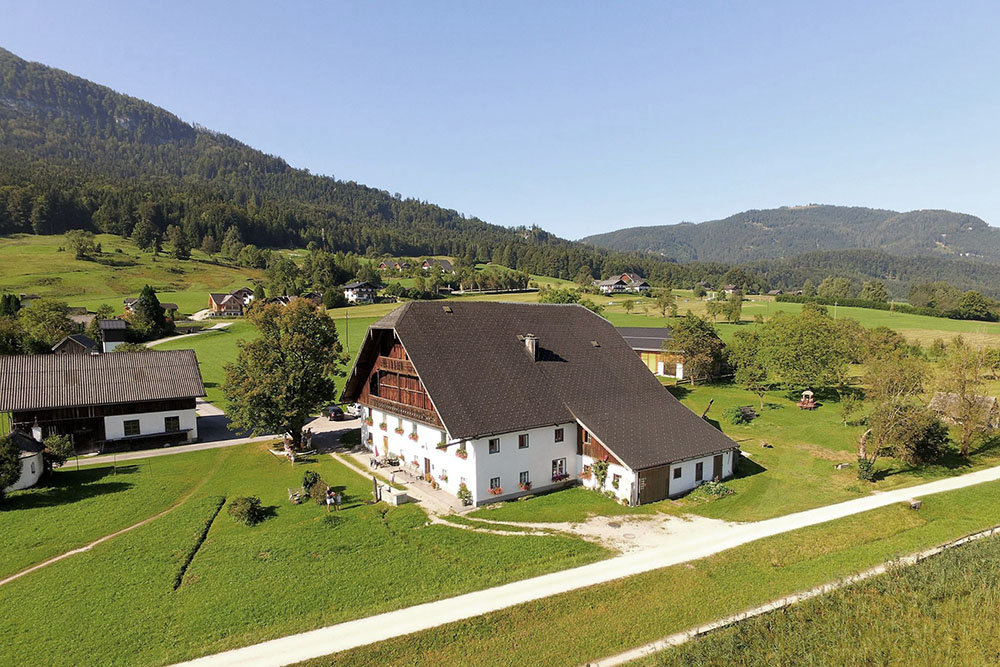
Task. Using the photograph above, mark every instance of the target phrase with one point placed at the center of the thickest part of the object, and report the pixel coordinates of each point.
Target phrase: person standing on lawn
(337, 501)
(330, 499)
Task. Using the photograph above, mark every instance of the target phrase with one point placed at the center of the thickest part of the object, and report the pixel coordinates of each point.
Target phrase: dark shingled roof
(482, 380)
(27, 445)
(43, 381)
(83, 341)
(648, 339)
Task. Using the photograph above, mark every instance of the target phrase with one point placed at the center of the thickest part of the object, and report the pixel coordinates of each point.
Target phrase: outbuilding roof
(646, 339)
(473, 361)
(46, 381)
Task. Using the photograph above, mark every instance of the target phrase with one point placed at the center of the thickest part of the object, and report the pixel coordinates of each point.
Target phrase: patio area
(434, 501)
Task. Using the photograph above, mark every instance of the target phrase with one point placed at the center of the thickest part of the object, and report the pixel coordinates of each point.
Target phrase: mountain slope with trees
(788, 231)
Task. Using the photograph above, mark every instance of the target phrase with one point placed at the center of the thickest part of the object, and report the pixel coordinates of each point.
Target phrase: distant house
(225, 305)
(625, 282)
(26, 299)
(443, 265)
(360, 292)
(315, 297)
(121, 400)
(730, 289)
(383, 266)
(76, 344)
(947, 406)
(113, 332)
(570, 394)
(648, 344)
(282, 300)
(776, 292)
(31, 454)
(245, 295)
(403, 266)
(169, 309)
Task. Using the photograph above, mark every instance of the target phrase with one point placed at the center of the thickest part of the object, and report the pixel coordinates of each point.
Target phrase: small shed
(32, 461)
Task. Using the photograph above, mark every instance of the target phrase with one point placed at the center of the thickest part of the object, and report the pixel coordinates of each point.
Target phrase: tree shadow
(60, 495)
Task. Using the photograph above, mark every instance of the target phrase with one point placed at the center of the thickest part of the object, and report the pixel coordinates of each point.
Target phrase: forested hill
(75, 154)
(788, 231)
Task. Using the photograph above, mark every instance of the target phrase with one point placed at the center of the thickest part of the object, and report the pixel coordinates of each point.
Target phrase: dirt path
(111, 536)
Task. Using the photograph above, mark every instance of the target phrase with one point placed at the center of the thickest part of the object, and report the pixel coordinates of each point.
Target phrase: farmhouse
(625, 282)
(648, 343)
(169, 309)
(360, 292)
(442, 264)
(106, 400)
(32, 462)
(507, 398)
(948, 406)
(225, 305)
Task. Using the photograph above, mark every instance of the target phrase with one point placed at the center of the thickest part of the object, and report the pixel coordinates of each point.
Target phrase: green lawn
(298, 570)
(568, 505)
(603, 620)
(928, 614)
(34, 264)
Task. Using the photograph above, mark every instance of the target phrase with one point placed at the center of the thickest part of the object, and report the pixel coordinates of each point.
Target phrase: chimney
(531, 344)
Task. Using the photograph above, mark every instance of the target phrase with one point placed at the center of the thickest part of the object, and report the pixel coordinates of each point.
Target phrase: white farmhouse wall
(31, 472)
(686, 482)
(151, 423)
(536, 460)
(626, 484)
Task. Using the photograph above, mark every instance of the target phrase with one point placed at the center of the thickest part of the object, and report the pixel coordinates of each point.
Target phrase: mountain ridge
(779, 233)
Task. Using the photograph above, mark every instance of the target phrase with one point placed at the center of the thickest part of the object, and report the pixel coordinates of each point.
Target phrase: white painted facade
(627, 483)
(152, 423)
(688, 481)
(479, 467)
(32, 466)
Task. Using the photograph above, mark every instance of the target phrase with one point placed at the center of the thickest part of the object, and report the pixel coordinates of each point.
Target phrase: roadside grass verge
(303, 568)
(74, 508)
(926, 614)
(606, 619)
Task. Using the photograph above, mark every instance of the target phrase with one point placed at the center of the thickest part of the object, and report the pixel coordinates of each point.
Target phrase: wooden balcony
(403, 410)
(395, 366)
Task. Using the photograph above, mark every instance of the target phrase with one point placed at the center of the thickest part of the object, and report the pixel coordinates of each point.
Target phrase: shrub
(318, 492)
(715, 489)
(310, 479)
(735, 416)
(246, 510)
(464, 494)
(600, 470)
(866, 470)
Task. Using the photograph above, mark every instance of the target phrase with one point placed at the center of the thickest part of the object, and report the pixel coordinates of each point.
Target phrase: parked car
(353, 409)
(335, 413)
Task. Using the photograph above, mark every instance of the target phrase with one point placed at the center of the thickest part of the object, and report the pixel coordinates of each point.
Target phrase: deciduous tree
(698, 342)
(961, 374)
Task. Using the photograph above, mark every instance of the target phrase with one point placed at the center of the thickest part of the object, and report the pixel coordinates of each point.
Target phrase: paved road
(220, 325)
(324, 641)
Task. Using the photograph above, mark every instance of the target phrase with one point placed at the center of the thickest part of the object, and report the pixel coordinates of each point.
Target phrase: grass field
(928, 614)
(298, 570)
(34, 264)
(603, 620)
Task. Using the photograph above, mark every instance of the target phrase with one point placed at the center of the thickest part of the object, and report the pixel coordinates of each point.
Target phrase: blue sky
(581, 117)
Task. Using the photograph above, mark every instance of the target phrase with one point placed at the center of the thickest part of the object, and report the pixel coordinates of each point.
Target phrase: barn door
(717, 467)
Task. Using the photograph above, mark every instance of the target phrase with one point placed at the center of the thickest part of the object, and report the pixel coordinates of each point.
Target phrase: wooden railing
(403, 410)
(395, 365)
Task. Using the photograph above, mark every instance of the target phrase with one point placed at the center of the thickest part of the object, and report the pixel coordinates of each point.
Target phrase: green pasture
(300, 569)
(603, 620)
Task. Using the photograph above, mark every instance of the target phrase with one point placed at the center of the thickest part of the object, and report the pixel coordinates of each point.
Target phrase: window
(523, 478)
(558, 467)
(494, 482)
(559, 435)
(171, 424)
(586, 436)
(131, 427)
(522, 441)
(616, 480)
(677, 472)
(699, 471)
(494, 445)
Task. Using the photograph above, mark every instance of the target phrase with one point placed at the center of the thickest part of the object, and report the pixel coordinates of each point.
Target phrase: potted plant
(398, 430)
(464, 494)
(414, 437)
(525, 486)
(585, 474)
(461, 453)
(496, 491)
(383, 426)
(443, 477)
(369, 421)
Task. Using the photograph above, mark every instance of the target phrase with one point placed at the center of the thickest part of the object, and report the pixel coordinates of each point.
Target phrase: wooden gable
(392, 383)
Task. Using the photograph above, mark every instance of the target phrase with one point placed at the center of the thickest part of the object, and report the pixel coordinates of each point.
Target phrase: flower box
(384, 426)
(369, 421)
(558, 477)
(398, 431)
(414, 437)
(461, 453)
(443, 478)
(525, 486)
(585, 475)
(496, 491)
